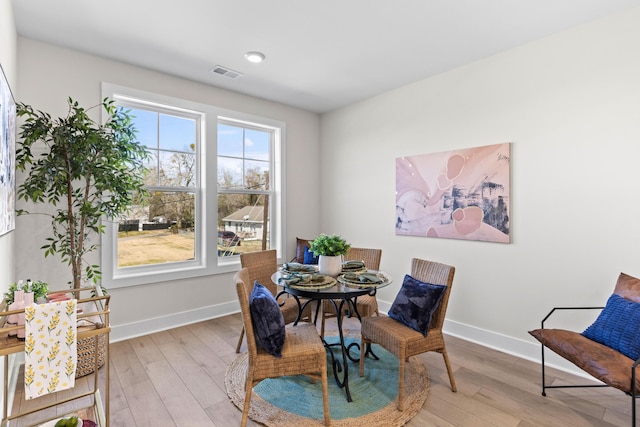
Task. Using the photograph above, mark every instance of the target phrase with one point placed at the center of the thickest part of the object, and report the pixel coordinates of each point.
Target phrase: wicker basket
(86, 354)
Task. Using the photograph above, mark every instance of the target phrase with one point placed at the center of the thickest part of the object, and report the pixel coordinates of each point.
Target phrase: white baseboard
(173, 320)
(528, 350)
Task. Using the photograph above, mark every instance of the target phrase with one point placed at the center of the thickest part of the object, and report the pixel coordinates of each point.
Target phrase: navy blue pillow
(309, 257)
(268, 323)
(618, 326)
(415, 303)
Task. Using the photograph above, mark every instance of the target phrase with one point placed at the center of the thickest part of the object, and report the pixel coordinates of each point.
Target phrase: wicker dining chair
(303, 352)
(366, 305)
(261, 266)
(403, 341)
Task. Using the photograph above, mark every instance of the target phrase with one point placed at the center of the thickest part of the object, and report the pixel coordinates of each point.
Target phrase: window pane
(230, 140)
(229, 173)
(161, 232)
(177, 169)
(257, 144)
(177, 133)
(151, 178)
(146, 125)
(241, 224)
(256, 175)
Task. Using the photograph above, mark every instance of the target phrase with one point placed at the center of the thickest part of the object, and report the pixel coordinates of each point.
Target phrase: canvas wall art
(461, 194)
(7, 157)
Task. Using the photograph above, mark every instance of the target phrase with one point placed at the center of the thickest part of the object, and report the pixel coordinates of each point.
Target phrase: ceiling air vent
(225, 72)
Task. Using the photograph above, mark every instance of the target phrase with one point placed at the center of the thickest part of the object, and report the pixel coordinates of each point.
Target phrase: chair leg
(449, 371)
(240, 340)
(325, 397)
(247, 400)
(321, 307)
(402, 361)
(363, 343)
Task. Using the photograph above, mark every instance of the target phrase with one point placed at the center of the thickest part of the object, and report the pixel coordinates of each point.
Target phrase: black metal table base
(339, 362)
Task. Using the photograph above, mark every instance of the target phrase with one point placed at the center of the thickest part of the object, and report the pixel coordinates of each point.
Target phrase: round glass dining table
(343, 292)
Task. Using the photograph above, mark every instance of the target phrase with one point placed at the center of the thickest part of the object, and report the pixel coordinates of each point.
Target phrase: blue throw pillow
(309, 257)
(268, 323)
(415, 303)
(618, 326)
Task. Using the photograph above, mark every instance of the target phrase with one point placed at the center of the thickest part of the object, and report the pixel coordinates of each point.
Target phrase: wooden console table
(93, 322)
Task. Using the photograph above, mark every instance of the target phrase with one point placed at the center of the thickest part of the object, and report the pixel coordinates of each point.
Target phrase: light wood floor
(176, 378)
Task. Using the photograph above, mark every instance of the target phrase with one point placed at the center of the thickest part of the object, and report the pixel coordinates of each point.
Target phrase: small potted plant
(330, 250)
(39, 288)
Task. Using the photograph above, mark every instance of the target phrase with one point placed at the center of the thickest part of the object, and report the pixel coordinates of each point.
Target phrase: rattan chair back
(370, 257)
(261, 266)
(437, 274)
(244, 286)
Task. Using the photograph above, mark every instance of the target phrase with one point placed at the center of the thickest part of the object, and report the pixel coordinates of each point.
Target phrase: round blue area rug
(295, 401)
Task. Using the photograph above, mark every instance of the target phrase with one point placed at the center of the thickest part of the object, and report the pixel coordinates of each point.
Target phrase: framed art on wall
(7, 156)
(461, 194)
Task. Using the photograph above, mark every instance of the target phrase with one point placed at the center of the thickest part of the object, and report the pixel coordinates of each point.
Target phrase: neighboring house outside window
(203, 160)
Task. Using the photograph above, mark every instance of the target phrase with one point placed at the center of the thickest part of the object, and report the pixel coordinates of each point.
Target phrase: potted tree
(83, 172)
(87, 171)
(330, 250)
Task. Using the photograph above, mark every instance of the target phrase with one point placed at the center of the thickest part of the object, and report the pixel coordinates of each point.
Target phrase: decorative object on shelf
(88, 171)
(330, 250)
(16, 304)
(39, 288)
(50, 331)
(20, 295)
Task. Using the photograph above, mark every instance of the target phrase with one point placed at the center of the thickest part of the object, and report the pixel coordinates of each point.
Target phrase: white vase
(330, 265)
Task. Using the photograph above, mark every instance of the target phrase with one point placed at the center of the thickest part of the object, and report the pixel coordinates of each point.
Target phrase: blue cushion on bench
(618, 326)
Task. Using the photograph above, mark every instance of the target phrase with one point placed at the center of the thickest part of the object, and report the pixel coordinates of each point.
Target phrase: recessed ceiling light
(254, 57)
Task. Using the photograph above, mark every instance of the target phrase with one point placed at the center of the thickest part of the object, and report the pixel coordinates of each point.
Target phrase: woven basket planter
(86, 353)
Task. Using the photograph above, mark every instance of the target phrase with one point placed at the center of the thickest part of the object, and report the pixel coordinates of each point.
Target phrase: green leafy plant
(87, 171)
(39, 288)
(329, 245)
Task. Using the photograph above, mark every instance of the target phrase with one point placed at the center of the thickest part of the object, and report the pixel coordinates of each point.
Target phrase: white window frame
(206, 260)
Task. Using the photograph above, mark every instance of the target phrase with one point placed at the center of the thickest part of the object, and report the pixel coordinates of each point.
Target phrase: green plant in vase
(39, 288)
(330, 249)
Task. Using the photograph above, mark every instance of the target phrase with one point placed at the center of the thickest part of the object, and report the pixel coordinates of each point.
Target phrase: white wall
(570, 104)
(48, 75)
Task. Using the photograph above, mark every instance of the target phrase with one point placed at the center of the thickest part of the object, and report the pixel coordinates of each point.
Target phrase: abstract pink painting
(461, 194)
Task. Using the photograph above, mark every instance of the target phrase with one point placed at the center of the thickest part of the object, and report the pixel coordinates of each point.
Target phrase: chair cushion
(309, 257)
(602, 362)
(618, 326)
(300, 245)
(268, 322)
(415, 303)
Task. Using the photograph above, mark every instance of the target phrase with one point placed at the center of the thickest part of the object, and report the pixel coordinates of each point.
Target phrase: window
(162, 230)
(244, 190)
(203, 159)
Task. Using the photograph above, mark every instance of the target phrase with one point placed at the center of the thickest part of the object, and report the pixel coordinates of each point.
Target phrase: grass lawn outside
(161, 246)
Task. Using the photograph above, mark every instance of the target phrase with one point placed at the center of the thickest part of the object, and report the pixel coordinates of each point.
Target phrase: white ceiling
(320, 55)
